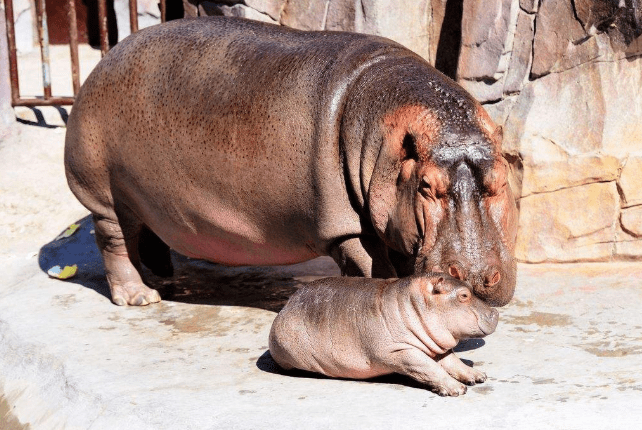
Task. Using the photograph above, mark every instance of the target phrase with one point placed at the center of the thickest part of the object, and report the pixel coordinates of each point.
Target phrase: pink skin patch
(237, 250)
(233, 239)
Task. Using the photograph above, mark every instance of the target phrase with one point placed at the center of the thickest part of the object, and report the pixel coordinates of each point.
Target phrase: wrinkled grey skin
(361, 328)
(246, 143)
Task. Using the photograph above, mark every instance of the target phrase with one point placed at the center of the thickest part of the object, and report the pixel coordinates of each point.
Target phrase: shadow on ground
(194, 281)
(267, 364)
(202, 282)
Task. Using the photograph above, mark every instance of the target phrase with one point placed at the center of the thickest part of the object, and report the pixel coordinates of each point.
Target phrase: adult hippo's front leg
(363, 256)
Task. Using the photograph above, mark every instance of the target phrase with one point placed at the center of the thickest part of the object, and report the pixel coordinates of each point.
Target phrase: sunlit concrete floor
(567, 353)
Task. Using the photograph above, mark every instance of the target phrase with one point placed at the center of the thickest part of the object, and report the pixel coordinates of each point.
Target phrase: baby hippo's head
(462, 313)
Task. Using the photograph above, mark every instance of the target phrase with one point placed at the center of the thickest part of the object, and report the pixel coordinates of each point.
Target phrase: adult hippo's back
(246, 143)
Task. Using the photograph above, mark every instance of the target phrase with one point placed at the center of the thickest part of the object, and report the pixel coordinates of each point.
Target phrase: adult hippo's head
(439, 198)
(431, 176)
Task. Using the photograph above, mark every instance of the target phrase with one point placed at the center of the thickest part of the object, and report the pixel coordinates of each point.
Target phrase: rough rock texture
(631, 181)
(413, 23)
(565, 80)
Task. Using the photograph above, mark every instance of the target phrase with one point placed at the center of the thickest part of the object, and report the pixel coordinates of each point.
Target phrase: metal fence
(43, 37)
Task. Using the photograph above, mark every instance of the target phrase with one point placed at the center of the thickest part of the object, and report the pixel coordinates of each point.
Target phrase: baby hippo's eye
(463, 295)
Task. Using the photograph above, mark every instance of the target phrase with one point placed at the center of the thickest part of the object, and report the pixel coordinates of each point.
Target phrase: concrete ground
(567, 352)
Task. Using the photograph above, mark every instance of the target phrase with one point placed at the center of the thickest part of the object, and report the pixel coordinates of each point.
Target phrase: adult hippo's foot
(122, 264)
(132, 293)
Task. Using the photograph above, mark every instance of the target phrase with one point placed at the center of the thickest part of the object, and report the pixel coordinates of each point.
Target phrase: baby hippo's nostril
(488, 321)
(492, 278)
(494, 316)
(456, 271)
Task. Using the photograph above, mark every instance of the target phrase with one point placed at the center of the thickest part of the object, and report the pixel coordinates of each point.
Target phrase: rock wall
(414, 23)
(564, 78)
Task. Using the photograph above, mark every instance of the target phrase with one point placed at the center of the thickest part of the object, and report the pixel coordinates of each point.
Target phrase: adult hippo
(246, 143)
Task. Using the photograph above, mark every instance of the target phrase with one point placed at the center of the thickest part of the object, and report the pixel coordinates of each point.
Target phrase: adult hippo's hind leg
(118, 244)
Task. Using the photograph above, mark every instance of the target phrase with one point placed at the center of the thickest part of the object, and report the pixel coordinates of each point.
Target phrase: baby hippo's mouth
(488, 321)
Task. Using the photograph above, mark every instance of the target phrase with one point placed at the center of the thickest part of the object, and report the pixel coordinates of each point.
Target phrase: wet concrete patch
(203, 320)
(542, 319)
(7, 420)
(543, 381)
(610, 349)
(482, 389)
(64, 300)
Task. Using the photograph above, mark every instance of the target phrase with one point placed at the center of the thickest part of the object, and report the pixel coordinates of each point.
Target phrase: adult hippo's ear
(495, 133)
(408, 134)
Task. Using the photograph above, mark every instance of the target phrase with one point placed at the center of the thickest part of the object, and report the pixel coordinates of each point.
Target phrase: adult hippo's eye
(425, 189)
(496, 180)
(433, 185)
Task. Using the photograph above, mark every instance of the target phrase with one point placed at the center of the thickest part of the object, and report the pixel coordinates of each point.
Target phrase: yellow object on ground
(66, 273)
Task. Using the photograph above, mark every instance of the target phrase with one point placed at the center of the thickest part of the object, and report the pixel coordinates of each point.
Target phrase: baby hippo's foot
(137, 294)
(458, 370)
(449, 387)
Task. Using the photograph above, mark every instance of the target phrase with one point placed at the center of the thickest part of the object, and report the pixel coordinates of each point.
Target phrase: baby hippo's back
(322, 328)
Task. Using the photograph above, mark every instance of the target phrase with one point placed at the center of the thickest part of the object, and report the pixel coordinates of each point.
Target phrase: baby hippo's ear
(440, 285)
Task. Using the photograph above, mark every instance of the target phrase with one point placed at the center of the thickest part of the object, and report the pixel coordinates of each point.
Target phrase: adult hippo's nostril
(493, 294)
(492, 278)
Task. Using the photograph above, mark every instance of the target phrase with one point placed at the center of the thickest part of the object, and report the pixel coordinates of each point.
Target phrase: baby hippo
(361, 328)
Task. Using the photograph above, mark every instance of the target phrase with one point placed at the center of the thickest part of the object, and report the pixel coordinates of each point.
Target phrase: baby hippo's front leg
(426, 370)
(458, 370)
